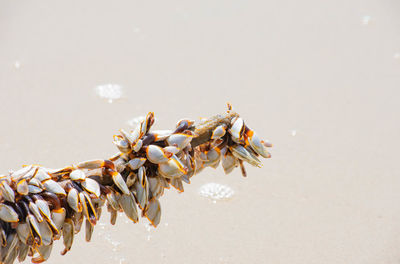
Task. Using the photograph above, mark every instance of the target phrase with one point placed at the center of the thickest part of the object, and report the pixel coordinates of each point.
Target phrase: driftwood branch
(204, 128)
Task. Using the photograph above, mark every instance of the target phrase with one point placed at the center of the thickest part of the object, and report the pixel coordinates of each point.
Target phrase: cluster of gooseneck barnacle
(40, 205)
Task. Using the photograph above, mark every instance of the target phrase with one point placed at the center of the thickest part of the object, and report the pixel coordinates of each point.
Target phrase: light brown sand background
(327, 70)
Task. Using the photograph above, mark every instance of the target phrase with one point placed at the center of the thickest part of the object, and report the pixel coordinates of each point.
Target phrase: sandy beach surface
(319, 79)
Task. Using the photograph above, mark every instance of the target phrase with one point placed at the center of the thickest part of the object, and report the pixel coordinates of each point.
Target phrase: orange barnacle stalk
(40, 205)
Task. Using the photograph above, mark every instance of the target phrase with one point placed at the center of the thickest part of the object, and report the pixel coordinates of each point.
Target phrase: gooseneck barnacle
(39, 205)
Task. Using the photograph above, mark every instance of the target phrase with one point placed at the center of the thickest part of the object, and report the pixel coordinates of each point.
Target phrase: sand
(320, 79)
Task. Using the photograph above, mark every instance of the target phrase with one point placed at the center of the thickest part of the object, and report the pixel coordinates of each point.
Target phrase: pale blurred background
(320, 79)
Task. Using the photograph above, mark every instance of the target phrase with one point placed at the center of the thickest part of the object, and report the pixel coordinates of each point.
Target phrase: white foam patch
(109, 91)
(17, 65)
(216, 191)
(366, 20)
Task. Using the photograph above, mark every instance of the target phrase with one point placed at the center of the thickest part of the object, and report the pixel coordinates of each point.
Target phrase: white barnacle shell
(171, 169)
(120, 165)
(45, 232)
(35, 182)
(8, 214)
(35, 211)
(229, 162)
(185, 122)
(156, 154)
(131, 138)
(34, 225)
(147, 123)
(155, 186)
(22, 252)
(88, 208)
(179, 140)
(138, 145)
(127, 203)
(7, 192)
(22, 173)
(130, 180)
(22, 187)
(142, 177)
(136, 163)
(41, 175)
(237, 129)
(68, 234)
(153, 212)
(180, 164)
(213, 157)
(142, 194)
(91, 186)
(53, 187)
(119, 181)
(78, 220)
(112, 200)
(44, 253)
(172, 149)
(23, 232)
(11, 250)
(177, 184)
(122, 144)
(33, 189)
(257, 145)
(43, 208)
(58, 217)
(218, 132)
(77, 175)
(73, 200)
(161, 134)
(241, 153)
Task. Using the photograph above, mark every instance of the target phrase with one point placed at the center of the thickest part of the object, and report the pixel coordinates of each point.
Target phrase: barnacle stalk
(40, 205)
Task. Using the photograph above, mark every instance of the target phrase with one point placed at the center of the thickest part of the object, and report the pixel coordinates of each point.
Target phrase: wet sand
(320, 79)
